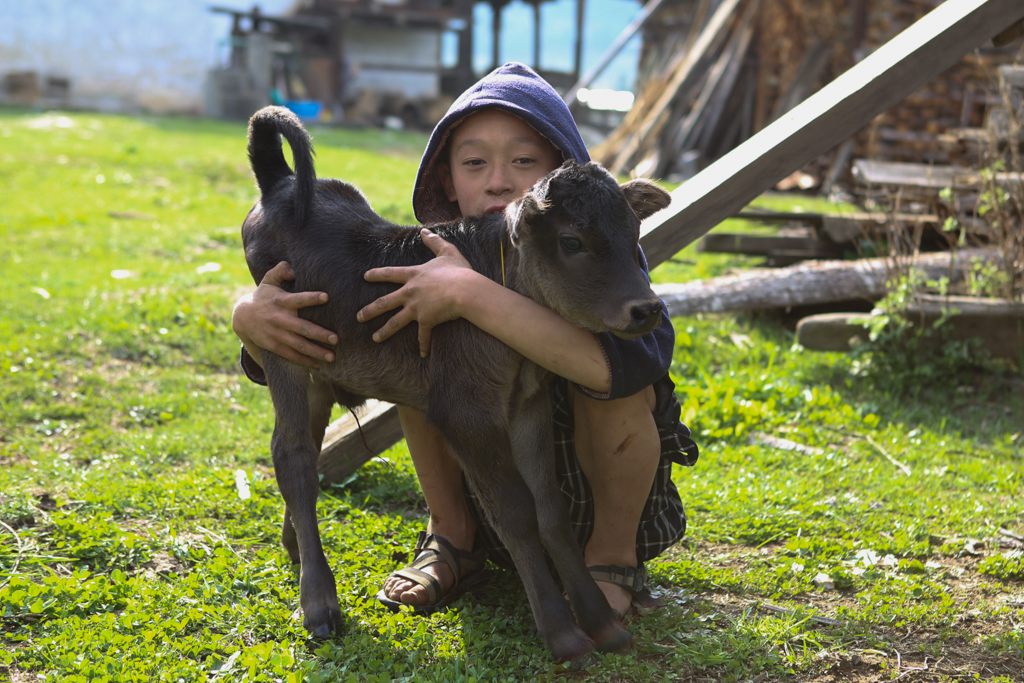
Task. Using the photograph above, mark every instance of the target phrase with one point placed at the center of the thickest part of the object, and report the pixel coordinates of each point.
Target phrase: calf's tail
(266, 128)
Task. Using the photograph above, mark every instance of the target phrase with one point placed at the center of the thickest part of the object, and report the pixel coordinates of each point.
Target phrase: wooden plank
(819, 219)
(758, 245)
(998, 324)
(344, 449)
(929, 177)
(835, 112)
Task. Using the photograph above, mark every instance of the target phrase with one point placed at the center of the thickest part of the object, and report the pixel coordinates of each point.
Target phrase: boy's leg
(619, 449)
(441, 480)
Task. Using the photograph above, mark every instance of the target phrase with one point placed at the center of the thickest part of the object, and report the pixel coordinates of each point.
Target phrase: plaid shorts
(663, 521)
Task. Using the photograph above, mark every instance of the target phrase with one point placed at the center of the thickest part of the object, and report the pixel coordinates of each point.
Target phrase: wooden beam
(924, 176)
(344, 449)
(837, 111)
(761, 245)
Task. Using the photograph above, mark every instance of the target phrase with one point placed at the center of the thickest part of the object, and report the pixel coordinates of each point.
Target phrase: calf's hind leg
(295, 455)
(321, 402)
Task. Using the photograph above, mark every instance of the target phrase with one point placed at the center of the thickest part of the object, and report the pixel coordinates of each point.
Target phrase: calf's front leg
(532, 449)
(481, 442)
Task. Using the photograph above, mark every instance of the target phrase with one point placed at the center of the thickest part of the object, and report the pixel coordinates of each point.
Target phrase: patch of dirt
(871, 666)
(912, 653)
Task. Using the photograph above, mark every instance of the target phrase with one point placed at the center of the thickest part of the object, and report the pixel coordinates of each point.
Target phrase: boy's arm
(446, 288)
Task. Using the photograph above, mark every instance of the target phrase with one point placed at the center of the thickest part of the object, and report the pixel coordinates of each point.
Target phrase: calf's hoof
(323, 623)
(613, 639)
(574, 647)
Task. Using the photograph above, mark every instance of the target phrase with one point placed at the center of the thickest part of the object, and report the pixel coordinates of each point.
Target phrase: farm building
(111, 55)
(367, 58)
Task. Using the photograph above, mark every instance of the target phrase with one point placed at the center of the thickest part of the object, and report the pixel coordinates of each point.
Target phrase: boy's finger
(288, 353)
(309, 350)
(397, 322)
(278, 274)
(304, 299)
(381, 305)
(311, 331)
(424, 341)
(397, 274)
(433, 242)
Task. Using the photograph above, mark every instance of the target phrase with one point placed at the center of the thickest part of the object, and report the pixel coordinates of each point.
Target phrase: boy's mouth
(497, 208)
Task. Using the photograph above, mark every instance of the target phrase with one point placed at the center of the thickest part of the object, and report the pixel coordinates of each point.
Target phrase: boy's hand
(429, 294)
(268, 318)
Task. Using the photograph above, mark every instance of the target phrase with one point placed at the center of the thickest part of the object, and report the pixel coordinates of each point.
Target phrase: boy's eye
(570, 244)
(473, 162)
(523, 161)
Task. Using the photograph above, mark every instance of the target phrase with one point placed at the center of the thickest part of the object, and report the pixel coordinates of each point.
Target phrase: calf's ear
(521, 212)
(645, 197)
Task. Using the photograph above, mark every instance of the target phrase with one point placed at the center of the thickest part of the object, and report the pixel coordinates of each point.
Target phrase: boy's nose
(499, 183)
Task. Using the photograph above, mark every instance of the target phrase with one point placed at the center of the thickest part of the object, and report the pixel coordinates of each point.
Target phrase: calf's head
(577, 231)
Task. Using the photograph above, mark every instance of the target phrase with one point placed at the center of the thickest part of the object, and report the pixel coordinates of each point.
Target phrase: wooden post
(536, 35)
(892, 72)
(497, 6)
(577, 63)
(610, 54)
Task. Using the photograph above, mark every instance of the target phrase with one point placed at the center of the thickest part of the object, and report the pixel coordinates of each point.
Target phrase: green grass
(127, 553)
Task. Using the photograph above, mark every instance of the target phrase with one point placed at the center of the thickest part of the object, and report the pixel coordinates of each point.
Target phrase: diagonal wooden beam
(925, 49)
(892, 72)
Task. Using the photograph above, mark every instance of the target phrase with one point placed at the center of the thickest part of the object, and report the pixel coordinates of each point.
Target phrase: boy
(617, 427)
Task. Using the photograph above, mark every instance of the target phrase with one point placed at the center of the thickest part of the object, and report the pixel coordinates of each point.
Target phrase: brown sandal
(431, 548)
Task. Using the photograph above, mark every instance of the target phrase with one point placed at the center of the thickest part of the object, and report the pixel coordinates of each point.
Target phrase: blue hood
(517, 89)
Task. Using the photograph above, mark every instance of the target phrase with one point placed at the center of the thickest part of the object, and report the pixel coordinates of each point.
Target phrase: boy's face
(494, 159)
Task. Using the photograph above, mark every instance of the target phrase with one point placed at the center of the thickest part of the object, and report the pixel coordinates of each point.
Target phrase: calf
(569, 244)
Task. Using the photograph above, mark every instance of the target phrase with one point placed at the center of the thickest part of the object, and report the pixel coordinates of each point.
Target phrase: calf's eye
(570, 244)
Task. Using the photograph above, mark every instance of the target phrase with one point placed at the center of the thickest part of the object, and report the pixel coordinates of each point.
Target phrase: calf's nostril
(643, 313)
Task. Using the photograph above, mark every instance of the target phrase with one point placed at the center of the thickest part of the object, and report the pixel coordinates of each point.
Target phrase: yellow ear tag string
(502, 243)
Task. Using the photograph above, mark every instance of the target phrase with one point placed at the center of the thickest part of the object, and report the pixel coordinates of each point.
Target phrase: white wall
(369, 49)
(120, 55)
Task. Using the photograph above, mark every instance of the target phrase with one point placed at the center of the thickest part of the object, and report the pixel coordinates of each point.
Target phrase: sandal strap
(431, 548)
(633, 579)
(421, 578)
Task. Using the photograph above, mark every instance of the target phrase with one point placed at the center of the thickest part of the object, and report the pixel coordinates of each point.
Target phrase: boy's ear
(645, 197)
(444, 174)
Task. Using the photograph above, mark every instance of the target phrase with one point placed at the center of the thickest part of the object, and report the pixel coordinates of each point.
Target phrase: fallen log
(998, 324)
(814, 282)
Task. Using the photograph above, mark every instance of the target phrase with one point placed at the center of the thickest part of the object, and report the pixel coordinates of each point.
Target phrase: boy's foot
(429, 584)
(619, 599)
(625, 588)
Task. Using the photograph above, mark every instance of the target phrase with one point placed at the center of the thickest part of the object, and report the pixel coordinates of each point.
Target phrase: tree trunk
(813, 282)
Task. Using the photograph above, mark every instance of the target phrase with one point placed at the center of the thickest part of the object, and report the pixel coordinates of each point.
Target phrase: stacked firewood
(714, 72)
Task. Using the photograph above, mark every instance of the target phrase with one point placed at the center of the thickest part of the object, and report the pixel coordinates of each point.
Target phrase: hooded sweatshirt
(518, 90)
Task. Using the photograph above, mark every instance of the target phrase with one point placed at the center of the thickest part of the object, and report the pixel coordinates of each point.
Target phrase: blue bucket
(307, 110)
